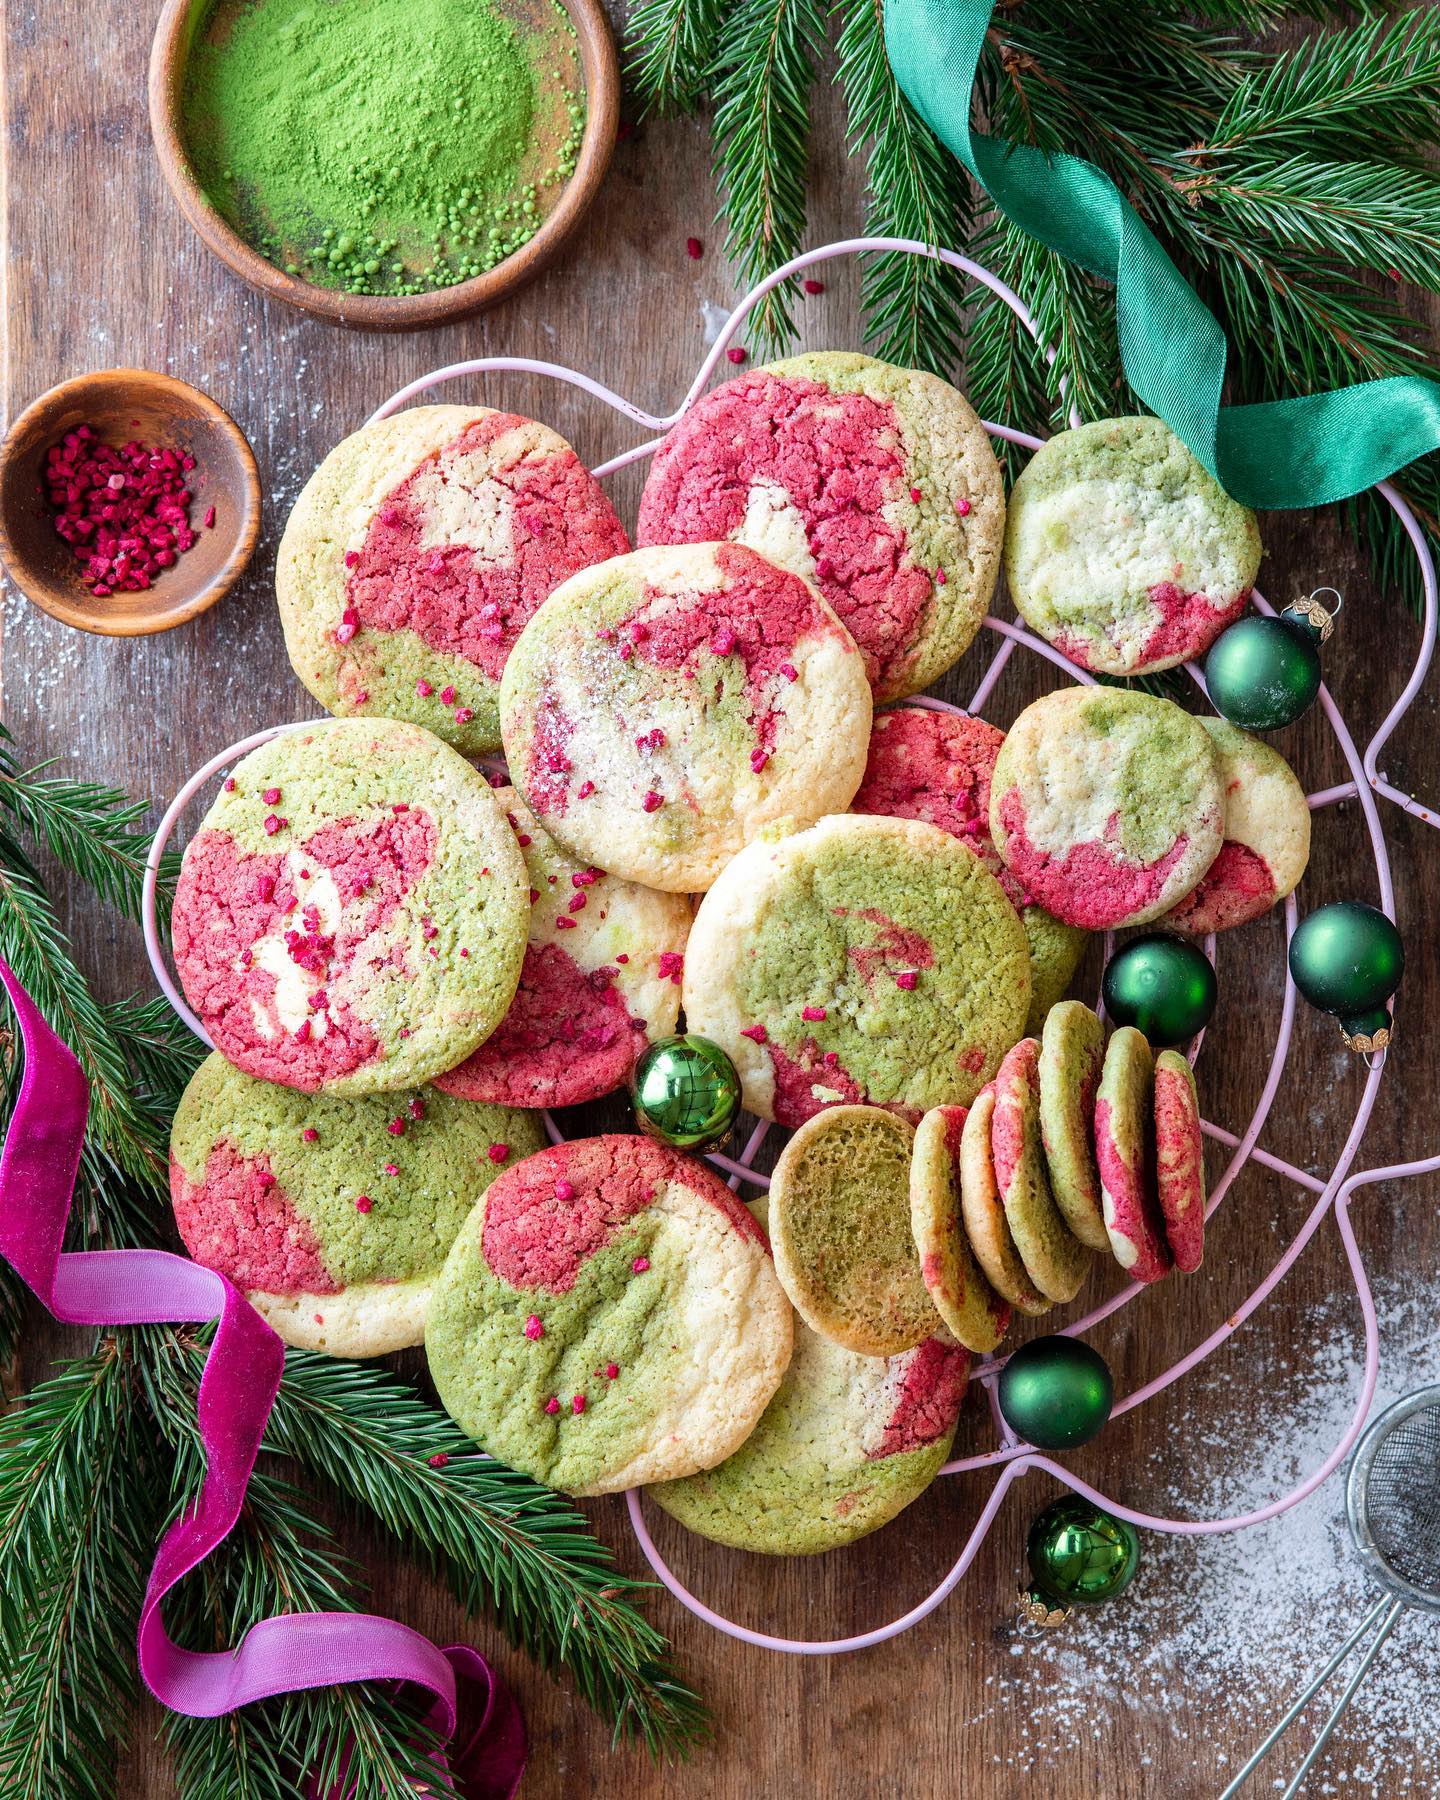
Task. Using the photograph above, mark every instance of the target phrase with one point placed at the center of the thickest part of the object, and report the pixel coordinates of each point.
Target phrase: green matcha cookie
(982, 1212)
(1072, 1050)
(840, 1226)
(864, 960)
(333, 1215)
(963, 1297)
(609, 1315)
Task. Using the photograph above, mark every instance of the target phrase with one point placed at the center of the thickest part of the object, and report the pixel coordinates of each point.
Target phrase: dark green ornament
(1162, 985)
(1056, 1393)
(1079, 1552)
(1346, 958)
(1263, 673)
(1366, 1032)
(686, 1092)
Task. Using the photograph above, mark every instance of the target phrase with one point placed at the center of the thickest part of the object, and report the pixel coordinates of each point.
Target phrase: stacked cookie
(401, 959)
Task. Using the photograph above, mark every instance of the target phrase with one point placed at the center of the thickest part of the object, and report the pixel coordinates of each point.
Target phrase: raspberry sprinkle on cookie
(663, 709)
(876, 483)
(306, 1204)
(630, 1254)
(351, 914)
(416, 553)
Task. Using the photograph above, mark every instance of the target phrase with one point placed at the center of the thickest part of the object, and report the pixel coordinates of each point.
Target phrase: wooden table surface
(102, 271)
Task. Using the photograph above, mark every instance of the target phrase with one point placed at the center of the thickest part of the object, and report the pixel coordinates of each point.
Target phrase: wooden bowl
(122, 404)
(180, 22)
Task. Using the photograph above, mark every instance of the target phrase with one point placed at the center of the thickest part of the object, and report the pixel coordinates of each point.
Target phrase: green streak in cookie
(442, 1158)
(1055, 952)
(394, 662)
(1158, 760)
(494, 1381)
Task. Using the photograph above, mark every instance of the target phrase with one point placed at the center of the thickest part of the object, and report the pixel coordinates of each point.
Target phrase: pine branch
(764, 63)
(913, 307)
(76, 1515)
(670, 46)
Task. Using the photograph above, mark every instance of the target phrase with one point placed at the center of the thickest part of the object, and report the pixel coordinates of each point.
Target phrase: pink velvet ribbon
(472, 1708)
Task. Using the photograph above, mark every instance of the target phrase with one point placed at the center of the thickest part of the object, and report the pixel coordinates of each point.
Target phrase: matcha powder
(384, 146)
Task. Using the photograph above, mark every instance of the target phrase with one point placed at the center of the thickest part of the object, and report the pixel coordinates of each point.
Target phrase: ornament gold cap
(1039, 1612)
(1320, 619)
(1365, 1043)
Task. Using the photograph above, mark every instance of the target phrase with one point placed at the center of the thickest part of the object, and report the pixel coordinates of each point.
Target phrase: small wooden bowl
(180, 23)
(122, 404)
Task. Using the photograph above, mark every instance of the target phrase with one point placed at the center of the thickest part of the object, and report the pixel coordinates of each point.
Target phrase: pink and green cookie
(609, 1315)
(1054, 1258)
(1072, 1053)
(416, 553)
(876, 483)
(1267, 837)
(982, 1212)
(1125, 1151)
(936, 766)
(600, 980)
(334, 1216)
(352, 913)
(1107, 804)
(957, 1285)
(663, 709)
(1179, 1159)
(1124, 551)
(846, 1444)
(864, 960)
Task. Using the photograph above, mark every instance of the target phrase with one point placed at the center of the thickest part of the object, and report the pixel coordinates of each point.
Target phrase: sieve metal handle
(1379, 1622)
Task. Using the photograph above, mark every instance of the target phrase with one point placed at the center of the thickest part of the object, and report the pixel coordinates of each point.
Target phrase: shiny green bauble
(686, 1092)
(1079, 1552)
(1056, 1393)
(1346, 958)
(1163, 986)
(1263, 673)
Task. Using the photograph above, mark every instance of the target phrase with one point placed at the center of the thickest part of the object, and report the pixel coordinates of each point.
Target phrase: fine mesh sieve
(1392, 1501)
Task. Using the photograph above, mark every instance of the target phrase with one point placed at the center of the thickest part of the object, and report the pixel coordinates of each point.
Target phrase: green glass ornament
(1079, 1552)
(1162, 985)
(1346, 958)
(686, 1092)
(1263, 673)
(1056, 1392)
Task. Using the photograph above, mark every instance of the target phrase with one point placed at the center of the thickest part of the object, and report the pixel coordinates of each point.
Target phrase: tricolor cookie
(1267, 836)
(1124, 551)
(601, 979)
(663, 709)
(334, 1216)
(876, 483)
(840, 1227)
(1056, 1261)
(1179, 1159)
(936, 766)
(865, 959)
(352, 912)
(416, 553)
(1125, 1151)
(609, 1315)
(982, 1212)
(1107, 804)
(846, 1444)
(956, 1283)
(1072, 1052)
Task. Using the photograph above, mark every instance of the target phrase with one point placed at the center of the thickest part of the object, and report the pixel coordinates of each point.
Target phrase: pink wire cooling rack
(1010, 1457)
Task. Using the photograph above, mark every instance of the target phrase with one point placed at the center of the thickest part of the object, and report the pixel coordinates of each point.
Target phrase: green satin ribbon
(1301, 452)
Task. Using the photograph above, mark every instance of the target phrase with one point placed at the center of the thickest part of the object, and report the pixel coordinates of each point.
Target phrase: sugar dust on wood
(384, 146)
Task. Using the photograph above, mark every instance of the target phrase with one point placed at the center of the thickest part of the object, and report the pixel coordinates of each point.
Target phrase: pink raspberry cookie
(1180, 1159)
(937, 766)
(1267, 837)
(1125, 1151)
(1107, 804)
(601, 979)
(662, 710)
(351, 914)
(876, 483)
(416, 553)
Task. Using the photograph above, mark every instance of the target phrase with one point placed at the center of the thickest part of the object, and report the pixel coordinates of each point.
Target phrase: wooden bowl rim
(600, 71)
(144, 620)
